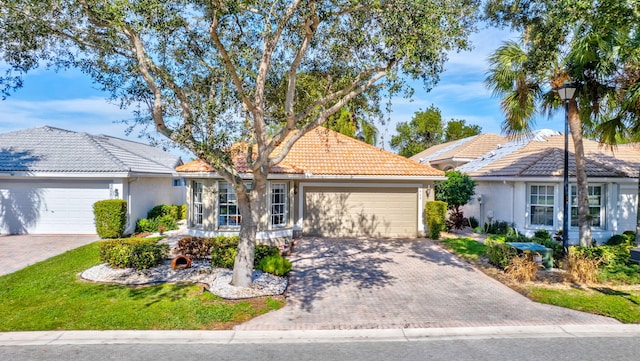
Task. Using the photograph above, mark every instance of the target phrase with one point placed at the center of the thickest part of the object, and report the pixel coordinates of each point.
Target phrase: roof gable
(325, 152)
(467, 148)
(49, 149)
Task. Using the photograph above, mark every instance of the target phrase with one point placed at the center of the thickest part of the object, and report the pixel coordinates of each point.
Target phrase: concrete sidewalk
(51, 338)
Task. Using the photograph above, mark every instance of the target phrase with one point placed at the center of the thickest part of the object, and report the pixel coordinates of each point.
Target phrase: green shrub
(223, 251)
(627, 238)
(436, 213)
(498, 227)
(275, 264)
(110, 217)
(542, 234)
(167, 222)
(146, 225)
(473, 222)
(616, 240)
(164, 210)
(138, 253)
(195, 247)
(499, 254)
(182, 214)
(558, 252)
(619, 273)
(224, 257)
(264, 251)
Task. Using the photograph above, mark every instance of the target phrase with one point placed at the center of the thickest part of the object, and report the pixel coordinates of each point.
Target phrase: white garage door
(49, 207)
(360, 212)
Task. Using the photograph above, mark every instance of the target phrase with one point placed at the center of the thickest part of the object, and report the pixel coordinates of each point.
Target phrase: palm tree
(525, 90)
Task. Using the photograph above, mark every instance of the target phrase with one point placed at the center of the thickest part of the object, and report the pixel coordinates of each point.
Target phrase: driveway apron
(365, 284)
(20, 251)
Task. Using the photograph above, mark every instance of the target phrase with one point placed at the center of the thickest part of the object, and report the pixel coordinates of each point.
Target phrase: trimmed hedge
(436, 213)
(110, 217)
(138, 253)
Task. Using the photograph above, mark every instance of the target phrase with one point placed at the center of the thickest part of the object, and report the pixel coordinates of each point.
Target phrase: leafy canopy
(457, 190)
(209, 74)
(427, 129)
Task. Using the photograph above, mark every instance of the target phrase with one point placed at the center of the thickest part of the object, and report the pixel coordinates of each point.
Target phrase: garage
(55, 207)
(360, 211)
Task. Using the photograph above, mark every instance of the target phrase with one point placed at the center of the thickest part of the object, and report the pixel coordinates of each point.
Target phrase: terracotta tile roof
(545, 157)
(325, 152)
(468, 148)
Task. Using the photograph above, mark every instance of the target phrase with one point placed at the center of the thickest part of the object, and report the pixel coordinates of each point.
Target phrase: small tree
(426, 129)
(457, 191)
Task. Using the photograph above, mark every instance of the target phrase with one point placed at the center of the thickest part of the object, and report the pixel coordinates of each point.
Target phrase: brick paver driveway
(347, 284)
(17, 252)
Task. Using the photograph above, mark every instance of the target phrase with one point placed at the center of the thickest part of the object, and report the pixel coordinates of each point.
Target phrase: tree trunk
(581, 175)
(252, 206)
(243, 264)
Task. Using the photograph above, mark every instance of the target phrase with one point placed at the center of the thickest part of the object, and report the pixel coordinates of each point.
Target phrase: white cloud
(90, 114)
(484, 43)
(462, 91)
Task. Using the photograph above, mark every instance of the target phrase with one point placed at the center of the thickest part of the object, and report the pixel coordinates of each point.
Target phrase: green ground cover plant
(49, 296)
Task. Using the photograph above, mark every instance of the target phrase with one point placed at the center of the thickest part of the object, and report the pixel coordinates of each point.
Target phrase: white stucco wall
(626, 208)
(493, 201)
(146, 193)
(507, 201)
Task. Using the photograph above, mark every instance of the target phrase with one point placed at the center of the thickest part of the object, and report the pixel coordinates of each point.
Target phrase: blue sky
(68, 100)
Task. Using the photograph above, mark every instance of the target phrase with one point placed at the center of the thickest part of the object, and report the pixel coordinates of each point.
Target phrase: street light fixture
(566, 93)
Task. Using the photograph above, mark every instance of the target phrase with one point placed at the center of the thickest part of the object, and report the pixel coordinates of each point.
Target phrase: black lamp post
(566, 93)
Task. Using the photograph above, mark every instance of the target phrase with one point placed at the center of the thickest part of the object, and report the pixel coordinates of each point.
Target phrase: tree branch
(310, 28)
(228, 63)
(265, 63)
(321, 119)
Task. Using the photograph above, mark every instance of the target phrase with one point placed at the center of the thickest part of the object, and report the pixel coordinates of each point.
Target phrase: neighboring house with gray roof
(447, 156)
(50, 178)
(521, 182)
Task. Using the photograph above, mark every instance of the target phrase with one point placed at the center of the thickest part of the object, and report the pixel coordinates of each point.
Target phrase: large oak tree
(201, 70)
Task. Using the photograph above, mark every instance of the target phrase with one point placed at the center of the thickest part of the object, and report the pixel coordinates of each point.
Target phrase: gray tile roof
(48, 149)
(543, 156)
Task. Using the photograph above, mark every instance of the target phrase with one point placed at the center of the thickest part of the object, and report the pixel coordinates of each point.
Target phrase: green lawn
(465, 248)
(623, 305)
(49, 296)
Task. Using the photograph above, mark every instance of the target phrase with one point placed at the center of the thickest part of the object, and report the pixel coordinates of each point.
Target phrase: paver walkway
(17, 252)
(356, 284)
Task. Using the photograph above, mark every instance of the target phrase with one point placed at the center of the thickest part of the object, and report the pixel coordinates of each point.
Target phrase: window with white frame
(541, 202)
(278, 204)
(197, 211)
(595, 205)
(228, 211)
